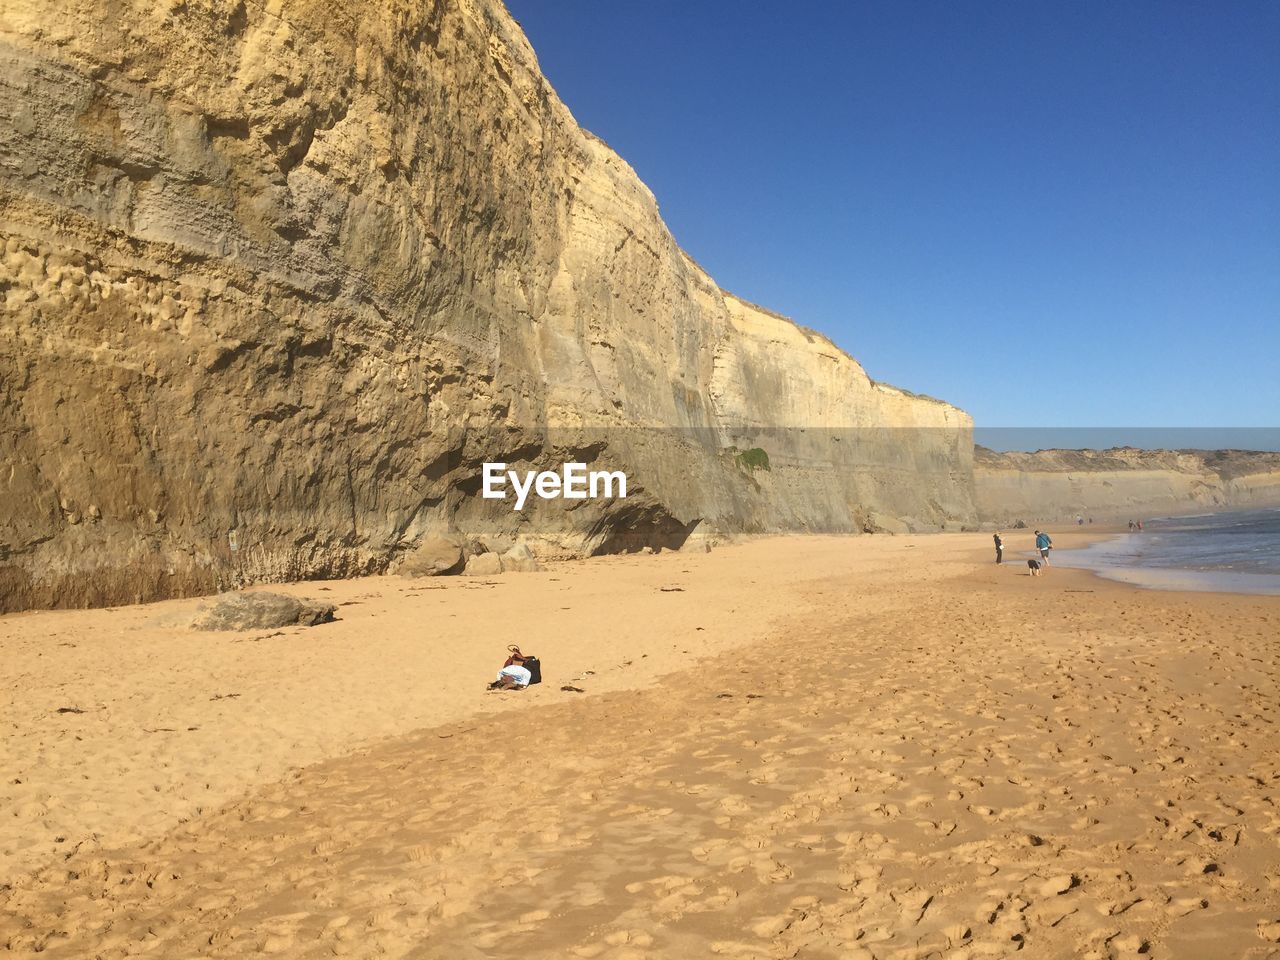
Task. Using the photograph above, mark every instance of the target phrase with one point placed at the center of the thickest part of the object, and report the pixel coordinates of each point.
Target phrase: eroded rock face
(278, 281)
(1119, 484)
(261, 611)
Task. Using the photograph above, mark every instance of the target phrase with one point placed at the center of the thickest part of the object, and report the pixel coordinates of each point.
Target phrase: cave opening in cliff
(632, 527)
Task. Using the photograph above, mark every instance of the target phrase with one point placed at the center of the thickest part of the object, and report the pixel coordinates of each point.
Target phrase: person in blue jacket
(1044, 545)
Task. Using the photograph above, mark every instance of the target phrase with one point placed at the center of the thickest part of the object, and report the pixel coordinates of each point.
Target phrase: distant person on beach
(1132, 526)
(999, 547)
(1044, 544)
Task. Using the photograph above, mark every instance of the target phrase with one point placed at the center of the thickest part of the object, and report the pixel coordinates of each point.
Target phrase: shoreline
(1192, 581)
(1171, 578)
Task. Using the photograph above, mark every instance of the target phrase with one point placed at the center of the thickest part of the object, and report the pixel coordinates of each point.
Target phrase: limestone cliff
(1120, 484)
(279, 276)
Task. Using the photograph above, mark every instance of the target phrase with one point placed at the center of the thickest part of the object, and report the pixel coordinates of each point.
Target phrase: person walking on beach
(1044, 544)
(999, 547)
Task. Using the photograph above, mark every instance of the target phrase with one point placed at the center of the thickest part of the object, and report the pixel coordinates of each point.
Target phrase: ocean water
(1237, 552)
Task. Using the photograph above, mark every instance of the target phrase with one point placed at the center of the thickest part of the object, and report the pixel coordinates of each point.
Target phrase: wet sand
(874, 747)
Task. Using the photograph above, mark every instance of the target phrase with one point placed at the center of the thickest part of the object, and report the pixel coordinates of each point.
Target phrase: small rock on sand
(260, 611)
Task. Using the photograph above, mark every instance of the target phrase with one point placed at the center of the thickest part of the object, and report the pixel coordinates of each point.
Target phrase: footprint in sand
(1128, 946)
(734, 948)
(770, 870)
(734, 804)
(913, 904)
(340, 929)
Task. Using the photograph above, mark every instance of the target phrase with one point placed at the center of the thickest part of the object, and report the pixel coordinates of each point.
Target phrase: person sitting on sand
(513, 675)
(999, 547)
(1044, 545)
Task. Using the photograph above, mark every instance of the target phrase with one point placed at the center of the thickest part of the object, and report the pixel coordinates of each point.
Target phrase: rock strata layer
(280, 277)
(1119, 484)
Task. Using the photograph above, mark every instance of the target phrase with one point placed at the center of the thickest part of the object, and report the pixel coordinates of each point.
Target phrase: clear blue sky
(1050, 214)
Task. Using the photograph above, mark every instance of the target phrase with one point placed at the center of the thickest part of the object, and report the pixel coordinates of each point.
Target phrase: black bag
(534, 666)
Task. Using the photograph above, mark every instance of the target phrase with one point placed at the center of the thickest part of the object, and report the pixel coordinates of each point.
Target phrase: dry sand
(873, 747)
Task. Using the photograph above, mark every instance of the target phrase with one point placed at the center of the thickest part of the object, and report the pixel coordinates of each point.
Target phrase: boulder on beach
(484, 565)
(520, 559)
(261, 611)
(434, 557)
(877, 522)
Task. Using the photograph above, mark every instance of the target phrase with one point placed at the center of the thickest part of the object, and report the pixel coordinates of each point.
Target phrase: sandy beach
(701, 365)
(820, 747)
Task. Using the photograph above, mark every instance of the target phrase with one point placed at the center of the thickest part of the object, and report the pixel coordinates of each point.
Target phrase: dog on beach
(1033, 568)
